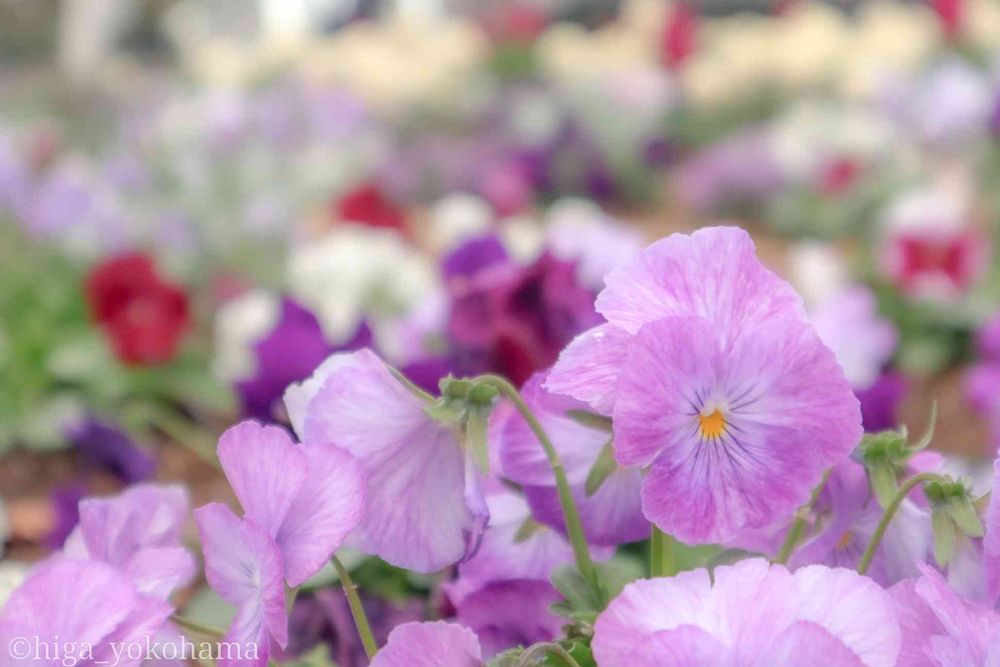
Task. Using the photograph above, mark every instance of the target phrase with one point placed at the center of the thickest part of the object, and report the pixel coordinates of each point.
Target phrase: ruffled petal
(329, 504)
(299, 394)
(713, 273)
(144, 516)
(418, 514)
(265, 469)
(588, 368)
(436, 644)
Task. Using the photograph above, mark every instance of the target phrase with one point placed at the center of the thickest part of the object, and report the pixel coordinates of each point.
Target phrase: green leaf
(601, 470)
(929, 433)
(944, 536)
(590, 420)
(882, 476)
(526, 530)
(445, 411)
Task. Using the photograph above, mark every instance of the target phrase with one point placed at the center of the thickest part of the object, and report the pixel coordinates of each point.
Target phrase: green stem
(574, 527)
(177, 429)
(661, 554)
(801, 517)
(198, 628)
(357, 611)
(890, 512)
(549, 649)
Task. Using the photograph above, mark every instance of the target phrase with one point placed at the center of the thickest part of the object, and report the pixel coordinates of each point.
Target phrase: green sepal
(446, 411)
(528, 528)
(476, 424)
(928, 435)
(964, 515)
(944, 536)
(590, 420)
(601, 470)
(882, 477)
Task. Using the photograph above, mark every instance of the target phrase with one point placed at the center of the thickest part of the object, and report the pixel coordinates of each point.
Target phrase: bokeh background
(202, 199)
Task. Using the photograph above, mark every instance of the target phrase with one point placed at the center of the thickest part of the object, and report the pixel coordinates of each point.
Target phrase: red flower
(143, 316)
(367, 205)
(950, 14)
(678, 37)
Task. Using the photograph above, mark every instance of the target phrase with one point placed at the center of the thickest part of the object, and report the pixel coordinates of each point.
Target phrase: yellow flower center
(712, 425)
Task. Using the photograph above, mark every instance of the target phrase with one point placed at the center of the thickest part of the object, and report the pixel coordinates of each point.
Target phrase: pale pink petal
(437, 644)
(131, 637)
(808, 643)
(713, 273)
(991, 541)
(588, 368)
(298, 395)
(265, 469)
(143, 516)
(418, 514)
(329, 504)
(684, 646)
(161, 571)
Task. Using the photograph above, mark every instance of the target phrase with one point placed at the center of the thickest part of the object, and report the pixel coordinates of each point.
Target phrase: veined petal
(588, 368)
(329, 504)
(436, 644)
(161, 571)
(265, 469)
(143, 516)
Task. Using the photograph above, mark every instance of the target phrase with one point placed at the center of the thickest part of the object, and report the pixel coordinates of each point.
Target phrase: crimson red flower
(143, 316)
(368, 205)
(950, 14)
(679, 34)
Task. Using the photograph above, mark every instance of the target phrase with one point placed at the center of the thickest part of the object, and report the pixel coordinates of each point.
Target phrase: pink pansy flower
(613, 514)
(436, 644)
(941, 628)
(425, 509)
(138, 532)
(991, 541)
(716, 381)
(753, 614)
(66, 605)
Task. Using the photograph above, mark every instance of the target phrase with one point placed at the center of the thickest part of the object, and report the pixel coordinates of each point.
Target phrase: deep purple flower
(611, 516)
(750, 613)
(65, 500)
(68, 602)
(138, 532)
(107, 446)
(511, 613)
(880, 402)
(437, 644)
(715, 379)
(425, 509)
(513, 319)
(473, 256)
(942, 629)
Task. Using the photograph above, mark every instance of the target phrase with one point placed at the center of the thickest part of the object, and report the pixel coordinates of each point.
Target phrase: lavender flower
(430, 645)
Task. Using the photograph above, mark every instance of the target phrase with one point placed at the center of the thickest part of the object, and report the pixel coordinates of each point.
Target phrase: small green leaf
(590, 420)
(445, 411)
(526, 530)
(944, 536)
(601, 470)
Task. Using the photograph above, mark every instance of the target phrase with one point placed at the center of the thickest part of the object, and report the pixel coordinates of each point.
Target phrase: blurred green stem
(890, 512)
(661, 554)
(357, 610)
(799, 524)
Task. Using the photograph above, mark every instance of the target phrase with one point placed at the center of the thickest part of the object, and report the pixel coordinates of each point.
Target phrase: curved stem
(543, 649)
(357, 611)
(574, 527)
(801, 516)
(890, 512)
(198, 628)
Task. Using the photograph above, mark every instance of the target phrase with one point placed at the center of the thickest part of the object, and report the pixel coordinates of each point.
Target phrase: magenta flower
(716, 381)
(425, 509)
(753, 614)
(66, 602)
(942, 629)
(436, 644)
(307, 497)
(613, 515)
(139, 533)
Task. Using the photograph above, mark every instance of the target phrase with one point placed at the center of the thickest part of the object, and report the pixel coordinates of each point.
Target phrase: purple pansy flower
(437, 644)
(753, 613)
(880, 402)
(942, 629)
(982, 381)
(612, 515)
(107, 446)
(139, 533)
(716, 381)
(425, 509)
(511, 613)
(80, 603)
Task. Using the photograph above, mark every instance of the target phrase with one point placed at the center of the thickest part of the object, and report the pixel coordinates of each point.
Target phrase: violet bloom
(847, 515)
(511, 613)
(942, 629)
(437, 644)
(613, 514)
(138, 532)
(880, 402)
(716, 381)
(80, 603)
(753, 614)
(514, 320)
(424, 509)
(107, 446)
